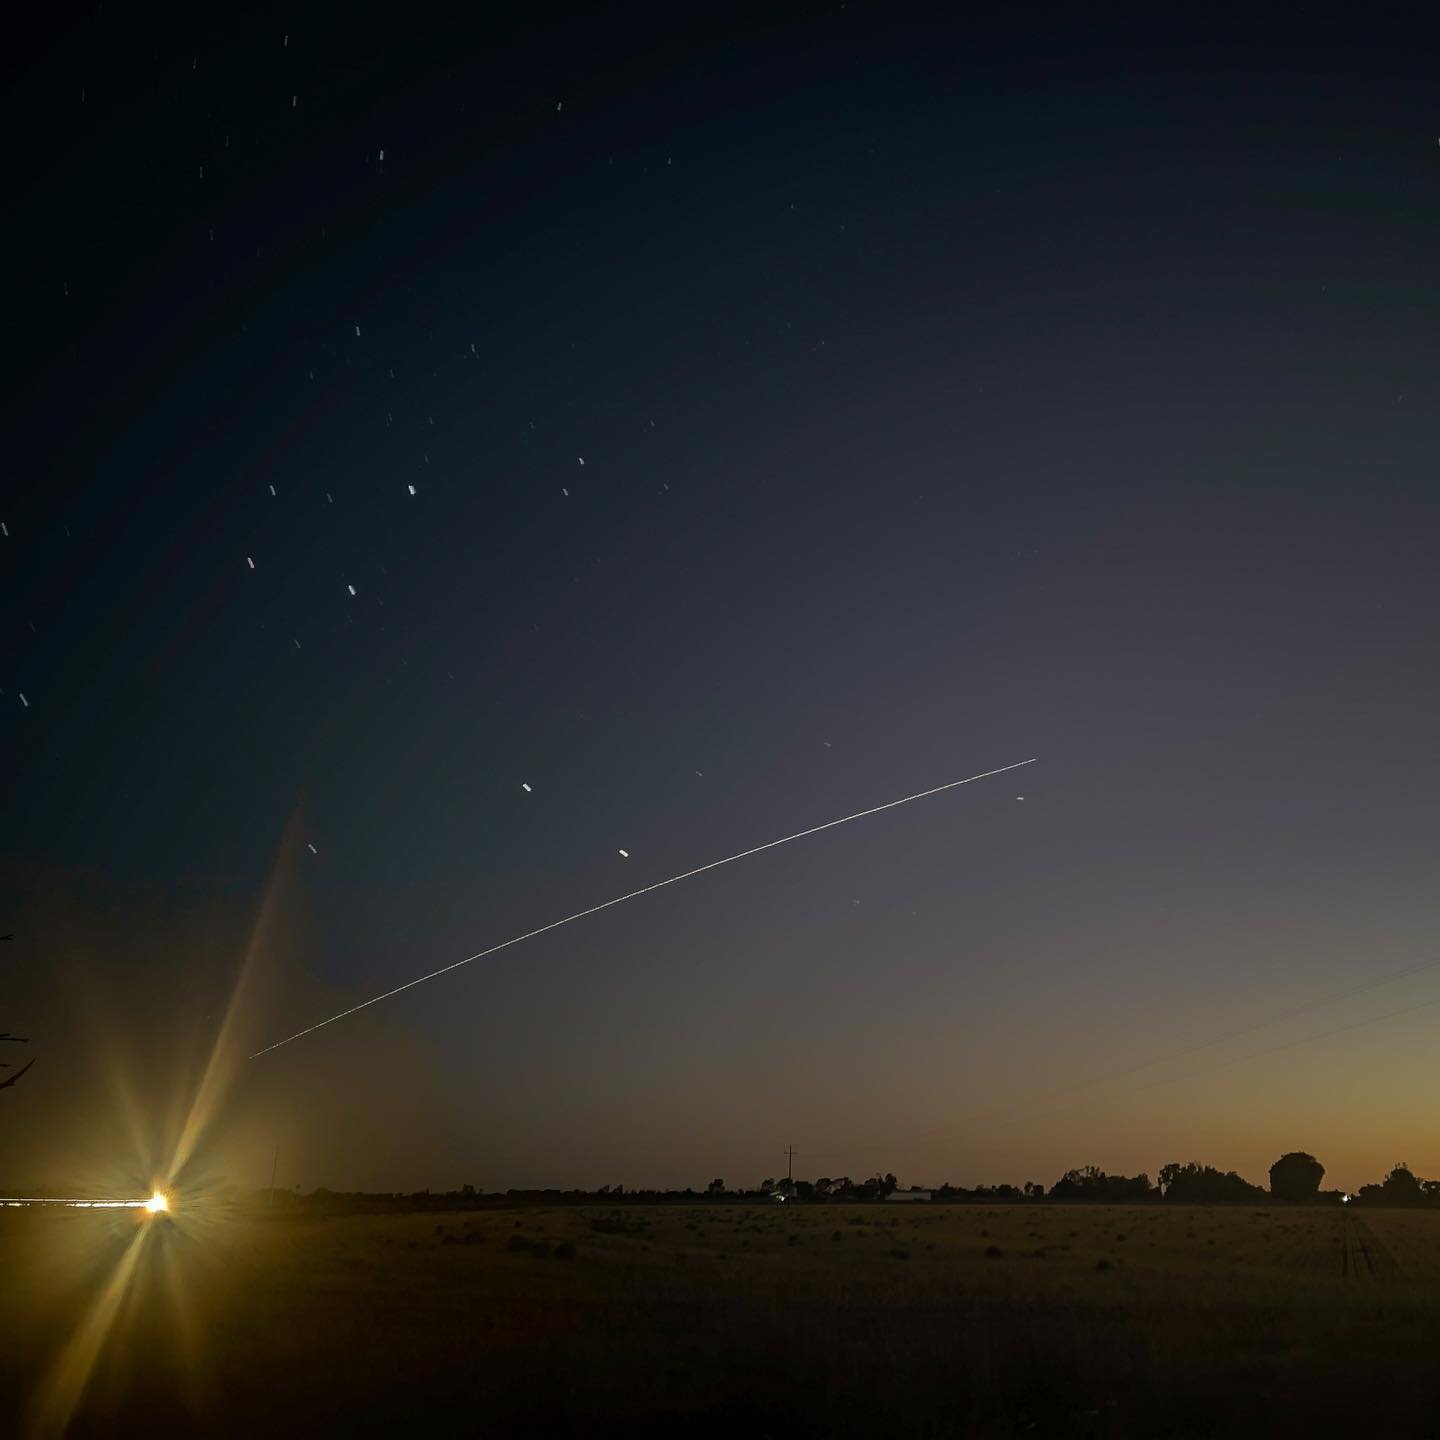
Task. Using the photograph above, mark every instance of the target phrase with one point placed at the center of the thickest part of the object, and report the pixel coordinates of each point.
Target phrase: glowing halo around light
(181, 1200)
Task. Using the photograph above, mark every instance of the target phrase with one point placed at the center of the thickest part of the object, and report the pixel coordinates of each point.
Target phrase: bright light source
(157, 1204)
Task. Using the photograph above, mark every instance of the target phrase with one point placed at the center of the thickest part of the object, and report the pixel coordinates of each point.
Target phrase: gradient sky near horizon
(719, 424)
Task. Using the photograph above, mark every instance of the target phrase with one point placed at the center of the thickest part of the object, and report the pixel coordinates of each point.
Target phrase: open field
(921, 1320)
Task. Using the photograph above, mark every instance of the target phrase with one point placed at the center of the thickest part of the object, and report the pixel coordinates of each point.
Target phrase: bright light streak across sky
(633, 894)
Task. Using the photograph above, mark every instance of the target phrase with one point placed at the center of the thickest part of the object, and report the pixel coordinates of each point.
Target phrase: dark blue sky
(946, 395)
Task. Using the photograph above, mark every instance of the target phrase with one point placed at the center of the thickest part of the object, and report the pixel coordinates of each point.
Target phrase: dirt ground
(923, 1320)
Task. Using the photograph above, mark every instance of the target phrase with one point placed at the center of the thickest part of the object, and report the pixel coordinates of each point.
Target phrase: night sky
(721, 421)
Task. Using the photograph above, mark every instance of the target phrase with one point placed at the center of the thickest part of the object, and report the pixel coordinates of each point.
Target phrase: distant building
(914, 1193)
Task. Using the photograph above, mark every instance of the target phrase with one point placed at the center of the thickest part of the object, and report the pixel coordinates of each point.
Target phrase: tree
(878, 1186)
(1401, 1181)
(1092, 1183)
(1194, 1184)
(1296, 1177)
(716, 1187)
(1400, 1187)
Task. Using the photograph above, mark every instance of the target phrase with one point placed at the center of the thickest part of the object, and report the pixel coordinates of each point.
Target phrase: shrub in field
(616, 1225)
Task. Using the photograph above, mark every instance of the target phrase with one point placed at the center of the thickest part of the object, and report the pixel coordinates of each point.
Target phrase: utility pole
(790, 1167)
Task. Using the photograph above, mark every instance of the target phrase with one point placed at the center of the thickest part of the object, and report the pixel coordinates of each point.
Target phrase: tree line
(1295, 1178)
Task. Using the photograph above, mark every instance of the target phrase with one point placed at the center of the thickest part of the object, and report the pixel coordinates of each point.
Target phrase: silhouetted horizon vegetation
(1294, 1180)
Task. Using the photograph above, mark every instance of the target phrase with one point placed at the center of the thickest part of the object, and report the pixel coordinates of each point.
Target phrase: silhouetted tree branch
(14, 1040)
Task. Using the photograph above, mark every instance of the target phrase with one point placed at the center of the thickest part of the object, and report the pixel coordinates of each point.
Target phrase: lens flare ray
(634, 894)
(54, 1404)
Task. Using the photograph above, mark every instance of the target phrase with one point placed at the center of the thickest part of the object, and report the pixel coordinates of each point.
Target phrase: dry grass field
(921, 1320)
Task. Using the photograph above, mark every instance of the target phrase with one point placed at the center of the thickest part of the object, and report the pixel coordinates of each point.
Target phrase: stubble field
(921, 1320)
